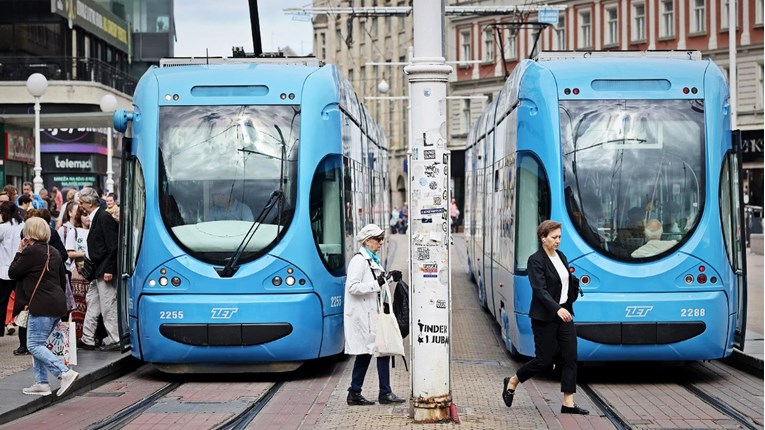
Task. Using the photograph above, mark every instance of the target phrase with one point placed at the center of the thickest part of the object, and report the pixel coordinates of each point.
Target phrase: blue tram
(633, 153)
(243, 184)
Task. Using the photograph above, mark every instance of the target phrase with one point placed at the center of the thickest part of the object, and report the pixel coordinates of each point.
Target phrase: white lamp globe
(108, 103)
(383, 86)
(37, 84)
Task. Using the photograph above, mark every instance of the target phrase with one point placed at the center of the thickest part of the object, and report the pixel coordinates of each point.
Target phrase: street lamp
(36, 86)
(109, 105)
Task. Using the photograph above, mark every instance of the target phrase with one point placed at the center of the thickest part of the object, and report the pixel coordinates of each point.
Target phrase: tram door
(735, 239)
(132, 213)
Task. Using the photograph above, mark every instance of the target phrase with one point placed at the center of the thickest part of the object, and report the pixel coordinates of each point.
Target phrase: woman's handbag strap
(42, 273)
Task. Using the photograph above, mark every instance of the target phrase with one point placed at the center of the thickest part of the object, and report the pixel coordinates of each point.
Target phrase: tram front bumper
(653, 326)
(229, 328)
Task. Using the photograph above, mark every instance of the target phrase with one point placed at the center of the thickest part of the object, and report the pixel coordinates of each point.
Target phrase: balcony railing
(66, 69)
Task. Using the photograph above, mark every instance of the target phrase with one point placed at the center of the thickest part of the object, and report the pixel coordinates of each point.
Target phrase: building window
(511, 48)
(323, 44)
(488, 45)
(758, 12)
(667, 26)
(466, 53)
(466, 115)
(612, 26)
(584, 30)
(725, 4)
(560, 33)
(760, 72)
(638, 22)
(338, 40)
(699, 16)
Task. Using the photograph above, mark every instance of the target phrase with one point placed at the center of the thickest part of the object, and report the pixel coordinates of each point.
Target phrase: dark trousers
(549, 339)
(360, 367)
(6, 288)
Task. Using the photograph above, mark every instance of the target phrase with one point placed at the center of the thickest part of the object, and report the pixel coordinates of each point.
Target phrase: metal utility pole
(732, 21)
(429, 218)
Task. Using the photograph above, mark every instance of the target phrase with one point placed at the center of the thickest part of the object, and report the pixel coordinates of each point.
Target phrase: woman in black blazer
(554, 291)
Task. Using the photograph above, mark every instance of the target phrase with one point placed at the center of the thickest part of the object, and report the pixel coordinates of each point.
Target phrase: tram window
(326, 213)
(533, 198)
(633, 174)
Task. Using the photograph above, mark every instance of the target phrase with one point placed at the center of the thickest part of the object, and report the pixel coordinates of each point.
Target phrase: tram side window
(326, 213)
(533, 207)
(729, 210)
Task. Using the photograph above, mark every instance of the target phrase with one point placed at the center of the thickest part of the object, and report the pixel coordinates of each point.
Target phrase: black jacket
(102, 243)
(546, 287)
(25, 269)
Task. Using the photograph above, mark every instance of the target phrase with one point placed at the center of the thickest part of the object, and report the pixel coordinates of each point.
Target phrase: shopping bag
(62, 342)
(388, 341)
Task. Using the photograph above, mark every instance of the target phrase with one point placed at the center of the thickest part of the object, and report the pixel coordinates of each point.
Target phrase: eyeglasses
(379, 238)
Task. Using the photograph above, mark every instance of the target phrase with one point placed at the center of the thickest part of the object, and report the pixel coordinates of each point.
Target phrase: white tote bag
(388, 339)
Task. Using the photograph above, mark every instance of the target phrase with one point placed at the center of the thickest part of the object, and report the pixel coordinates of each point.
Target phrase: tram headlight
(176, 281)
(702, 278)
(688, 279)
(585, 279)
(276, 281)
(152, 282)
(290, 281)
(163, 281)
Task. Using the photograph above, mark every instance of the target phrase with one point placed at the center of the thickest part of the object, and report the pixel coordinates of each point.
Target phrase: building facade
(86, 49)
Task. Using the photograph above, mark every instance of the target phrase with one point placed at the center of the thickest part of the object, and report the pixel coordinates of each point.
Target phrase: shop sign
(19, 147)
(751, 145)
(95, 19)
(69, 163)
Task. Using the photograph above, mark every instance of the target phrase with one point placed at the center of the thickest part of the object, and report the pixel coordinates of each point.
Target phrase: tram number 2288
(692, 312)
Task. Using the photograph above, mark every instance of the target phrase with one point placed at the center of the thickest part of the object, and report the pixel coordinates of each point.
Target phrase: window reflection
(634, 173)
(219, 166)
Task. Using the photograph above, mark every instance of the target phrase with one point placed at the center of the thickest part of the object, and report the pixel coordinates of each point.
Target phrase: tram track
(130, 413)
(241, 419)
(691, 380)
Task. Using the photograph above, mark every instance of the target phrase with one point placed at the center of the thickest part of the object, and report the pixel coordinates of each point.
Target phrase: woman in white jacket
(365, 276)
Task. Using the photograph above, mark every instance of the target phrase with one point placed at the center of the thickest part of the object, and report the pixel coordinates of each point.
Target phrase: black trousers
(549, 339)
(6, 288)
(360, 366)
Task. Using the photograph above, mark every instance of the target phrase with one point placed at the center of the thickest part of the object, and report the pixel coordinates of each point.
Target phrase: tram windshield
(218, 166)
(633, 173)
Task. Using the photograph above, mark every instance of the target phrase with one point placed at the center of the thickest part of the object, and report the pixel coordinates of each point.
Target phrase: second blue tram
(243, 185)
(633, 154)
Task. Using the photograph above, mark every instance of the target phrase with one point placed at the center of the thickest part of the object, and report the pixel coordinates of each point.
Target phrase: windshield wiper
(231, 266)
(276, 197)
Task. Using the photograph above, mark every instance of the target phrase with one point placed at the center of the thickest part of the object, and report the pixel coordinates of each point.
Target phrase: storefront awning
(60, 120)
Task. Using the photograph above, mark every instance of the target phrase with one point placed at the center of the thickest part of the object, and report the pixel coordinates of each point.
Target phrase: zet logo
(638, 311)
(223, 313)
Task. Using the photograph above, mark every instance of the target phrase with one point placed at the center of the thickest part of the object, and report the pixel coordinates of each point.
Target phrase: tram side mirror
(121, 120)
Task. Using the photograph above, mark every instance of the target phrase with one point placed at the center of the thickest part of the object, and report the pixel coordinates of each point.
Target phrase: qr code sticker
(437, 201)
(430, 154)
(423, 253)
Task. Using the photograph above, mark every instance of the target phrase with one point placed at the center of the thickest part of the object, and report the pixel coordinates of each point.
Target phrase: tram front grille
(648, 333)
(225, 334)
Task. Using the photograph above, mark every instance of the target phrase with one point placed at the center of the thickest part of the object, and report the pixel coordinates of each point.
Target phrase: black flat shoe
(356, 399)
(21, 351)
(573, 410)
(387, 399)
(507, 394)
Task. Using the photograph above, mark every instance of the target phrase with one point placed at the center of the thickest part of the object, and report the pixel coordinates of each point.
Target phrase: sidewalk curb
(748, 363)
(87, 381)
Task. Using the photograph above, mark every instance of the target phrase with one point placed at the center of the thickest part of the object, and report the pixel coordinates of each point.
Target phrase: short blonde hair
(37, 229)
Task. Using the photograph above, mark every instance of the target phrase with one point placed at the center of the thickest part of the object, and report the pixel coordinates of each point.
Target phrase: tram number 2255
(171, 315)
(692, 312)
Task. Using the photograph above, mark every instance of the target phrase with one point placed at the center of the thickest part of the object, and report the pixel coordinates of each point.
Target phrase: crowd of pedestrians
(79, 225)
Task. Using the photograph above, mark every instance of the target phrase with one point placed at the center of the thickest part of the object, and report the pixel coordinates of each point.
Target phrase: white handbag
(388, 341)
